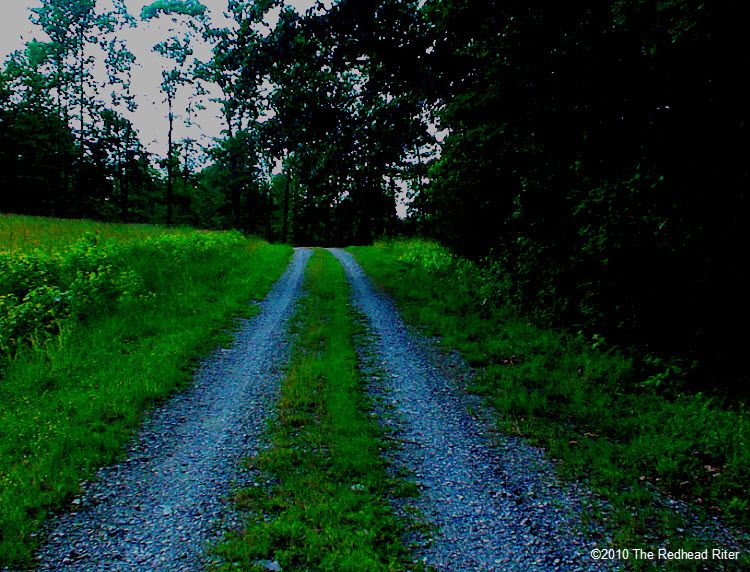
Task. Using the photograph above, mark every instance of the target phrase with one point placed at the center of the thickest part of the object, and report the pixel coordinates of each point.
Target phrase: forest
(591, 156)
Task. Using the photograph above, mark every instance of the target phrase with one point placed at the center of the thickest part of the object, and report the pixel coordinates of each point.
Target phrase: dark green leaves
(173, 7)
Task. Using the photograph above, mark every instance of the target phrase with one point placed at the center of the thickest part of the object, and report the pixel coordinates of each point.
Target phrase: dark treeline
(66, 149)
(593, 153)
(599, 155)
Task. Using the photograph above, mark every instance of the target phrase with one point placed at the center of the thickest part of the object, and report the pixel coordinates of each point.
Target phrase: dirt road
(159, 508)
(497, 504)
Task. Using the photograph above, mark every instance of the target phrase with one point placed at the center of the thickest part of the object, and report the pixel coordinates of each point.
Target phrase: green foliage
(595, 153)
(192, 8)
(483, 285)
(63, 151)
(91, 277)
(321, 503)
(99, 331)
(338, 115)
(178, 53)
(627, 432)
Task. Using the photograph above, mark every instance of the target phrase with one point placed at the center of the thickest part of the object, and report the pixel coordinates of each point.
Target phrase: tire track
(162, 506)
(497, 506)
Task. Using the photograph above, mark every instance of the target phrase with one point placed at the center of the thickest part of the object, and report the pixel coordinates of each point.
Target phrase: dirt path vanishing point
(159, 509)
(497, 506)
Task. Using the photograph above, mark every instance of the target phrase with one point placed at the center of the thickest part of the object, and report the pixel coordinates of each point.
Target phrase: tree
(600, 143)
(76, 30)
(239, 67)
(343, 108)
(177, 50)
(35, 145)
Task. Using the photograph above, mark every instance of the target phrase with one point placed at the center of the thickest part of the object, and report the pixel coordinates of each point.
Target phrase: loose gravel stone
(497, 505)
(160, 508)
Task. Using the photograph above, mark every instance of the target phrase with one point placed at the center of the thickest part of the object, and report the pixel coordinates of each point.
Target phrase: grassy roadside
(581, 402)
(69, 401)
(20, 233)
(321, 501)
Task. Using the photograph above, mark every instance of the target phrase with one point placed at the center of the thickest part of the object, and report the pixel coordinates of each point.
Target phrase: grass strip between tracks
(320, 502)
(68, 406)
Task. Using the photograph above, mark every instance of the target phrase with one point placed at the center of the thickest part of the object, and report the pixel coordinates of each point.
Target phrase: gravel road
(168, 500)
(496, 504)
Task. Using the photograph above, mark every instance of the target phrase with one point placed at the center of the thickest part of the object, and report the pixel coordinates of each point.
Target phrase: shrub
(39, 291)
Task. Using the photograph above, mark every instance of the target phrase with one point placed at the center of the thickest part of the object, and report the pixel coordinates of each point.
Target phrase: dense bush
(40, 292)
(597, 153)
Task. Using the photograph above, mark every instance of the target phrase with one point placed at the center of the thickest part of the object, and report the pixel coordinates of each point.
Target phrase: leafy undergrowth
(320, 503)
(580, 400)
(92, 335)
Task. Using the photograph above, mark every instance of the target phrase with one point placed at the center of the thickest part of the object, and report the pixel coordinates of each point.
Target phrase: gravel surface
(496, 502)
(161, 507)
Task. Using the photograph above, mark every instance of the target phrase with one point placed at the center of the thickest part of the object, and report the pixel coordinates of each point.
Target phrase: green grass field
(578, 399)
(327, 507)
(95, 332)
(26, 233)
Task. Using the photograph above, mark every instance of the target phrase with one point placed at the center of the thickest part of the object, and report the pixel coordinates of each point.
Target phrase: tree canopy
(168, 7)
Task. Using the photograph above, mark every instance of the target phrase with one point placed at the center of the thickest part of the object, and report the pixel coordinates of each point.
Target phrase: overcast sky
(150, 118)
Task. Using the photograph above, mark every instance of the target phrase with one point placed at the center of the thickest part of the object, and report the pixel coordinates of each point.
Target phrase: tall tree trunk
(81, 103)
(170, 157)
(60, 198)
(285, 212)
(419, 170)
(236, 191)
(186, 170)
(234, 186)
(124, 161)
